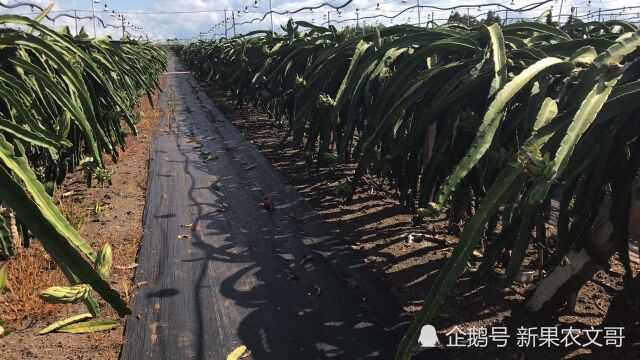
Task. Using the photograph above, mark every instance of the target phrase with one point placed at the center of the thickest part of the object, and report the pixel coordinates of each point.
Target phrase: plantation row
(488, 122)
(66, 101)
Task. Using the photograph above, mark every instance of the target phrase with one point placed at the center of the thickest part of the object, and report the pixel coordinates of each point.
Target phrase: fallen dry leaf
(215, 183)
(230, 148)
(292, 275)
(223, 207)
(238, 353)
(154, 332)
(125, 267)
(306, 259)
(352, 283)
(295, 219)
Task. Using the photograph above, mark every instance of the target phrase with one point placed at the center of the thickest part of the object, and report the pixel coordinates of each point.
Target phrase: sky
(187, 19)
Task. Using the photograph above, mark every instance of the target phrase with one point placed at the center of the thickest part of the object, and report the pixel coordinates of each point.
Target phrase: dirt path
(222, 271)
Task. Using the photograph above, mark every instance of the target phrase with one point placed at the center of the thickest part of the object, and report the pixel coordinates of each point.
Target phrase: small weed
(206, 157)
(343, 190)
(73, 212)
(103, 176)
(138, 117)
(98, 207)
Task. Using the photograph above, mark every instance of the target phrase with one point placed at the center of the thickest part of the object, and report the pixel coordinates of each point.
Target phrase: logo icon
(428, 336)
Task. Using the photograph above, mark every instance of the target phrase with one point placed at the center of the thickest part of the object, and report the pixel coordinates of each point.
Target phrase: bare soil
(110, 214)
(376, 225)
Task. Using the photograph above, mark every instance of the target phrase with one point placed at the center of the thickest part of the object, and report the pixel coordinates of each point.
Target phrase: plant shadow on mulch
(377, 226)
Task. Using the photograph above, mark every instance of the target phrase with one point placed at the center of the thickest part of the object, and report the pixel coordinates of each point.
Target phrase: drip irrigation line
(527, 7)
(503, 7)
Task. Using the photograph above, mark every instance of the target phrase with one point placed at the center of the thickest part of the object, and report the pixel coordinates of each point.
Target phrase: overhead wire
(65, 14)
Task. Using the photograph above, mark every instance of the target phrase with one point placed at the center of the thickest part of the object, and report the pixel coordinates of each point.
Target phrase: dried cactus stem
(13, 230)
